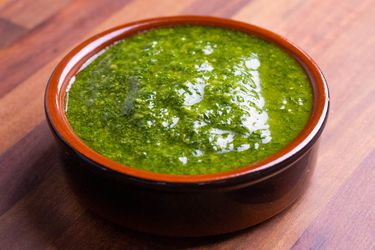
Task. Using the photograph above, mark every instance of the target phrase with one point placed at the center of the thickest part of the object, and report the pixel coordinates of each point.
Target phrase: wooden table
(37, 209)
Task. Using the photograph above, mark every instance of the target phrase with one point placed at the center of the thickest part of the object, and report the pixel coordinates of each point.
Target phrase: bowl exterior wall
(193, 212)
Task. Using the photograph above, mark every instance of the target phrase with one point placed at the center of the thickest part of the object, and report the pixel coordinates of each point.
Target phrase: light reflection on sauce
(247, 95)
(255, 116)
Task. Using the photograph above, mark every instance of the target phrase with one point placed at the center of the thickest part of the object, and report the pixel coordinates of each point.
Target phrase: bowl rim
(86, 51)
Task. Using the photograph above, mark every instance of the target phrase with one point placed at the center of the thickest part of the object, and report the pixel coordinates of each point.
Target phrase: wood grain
(10, 32)
(49, 38)
(355, 201)
(37, 209)
(30, 15)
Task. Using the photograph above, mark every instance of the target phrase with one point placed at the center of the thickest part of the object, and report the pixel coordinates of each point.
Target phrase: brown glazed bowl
(181, 205)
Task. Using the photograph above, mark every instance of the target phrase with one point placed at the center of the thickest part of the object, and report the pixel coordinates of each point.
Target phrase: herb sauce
(190, 100)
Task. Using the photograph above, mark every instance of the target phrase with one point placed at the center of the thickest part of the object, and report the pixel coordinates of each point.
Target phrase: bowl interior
(79, 57)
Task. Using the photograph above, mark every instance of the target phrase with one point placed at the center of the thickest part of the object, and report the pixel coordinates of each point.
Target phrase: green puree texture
(190, 100)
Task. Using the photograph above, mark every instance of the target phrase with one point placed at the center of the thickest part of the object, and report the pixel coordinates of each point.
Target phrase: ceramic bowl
(177, 205)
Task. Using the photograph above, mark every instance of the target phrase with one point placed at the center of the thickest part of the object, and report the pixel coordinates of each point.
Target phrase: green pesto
(190, 100)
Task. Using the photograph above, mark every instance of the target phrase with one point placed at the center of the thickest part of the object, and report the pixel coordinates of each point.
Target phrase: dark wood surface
(37, 209)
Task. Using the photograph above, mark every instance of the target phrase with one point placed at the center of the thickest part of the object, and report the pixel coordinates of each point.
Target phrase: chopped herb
(190, 100)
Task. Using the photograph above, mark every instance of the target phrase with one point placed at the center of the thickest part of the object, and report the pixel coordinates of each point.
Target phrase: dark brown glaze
(176, 205)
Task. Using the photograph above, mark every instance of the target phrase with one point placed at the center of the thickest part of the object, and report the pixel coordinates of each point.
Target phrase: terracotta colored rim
(84, 53)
